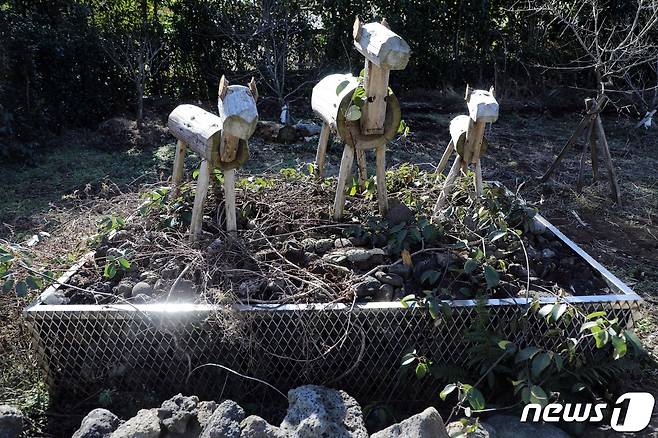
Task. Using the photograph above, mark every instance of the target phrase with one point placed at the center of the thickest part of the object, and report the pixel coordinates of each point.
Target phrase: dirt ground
(76, 182)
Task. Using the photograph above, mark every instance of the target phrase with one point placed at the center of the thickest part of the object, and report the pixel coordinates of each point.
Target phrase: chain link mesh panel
(358, 350)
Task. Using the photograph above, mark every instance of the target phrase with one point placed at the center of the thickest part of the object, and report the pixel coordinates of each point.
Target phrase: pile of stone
(313, 411)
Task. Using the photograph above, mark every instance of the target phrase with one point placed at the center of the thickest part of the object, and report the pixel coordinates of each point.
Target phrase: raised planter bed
(84, 348)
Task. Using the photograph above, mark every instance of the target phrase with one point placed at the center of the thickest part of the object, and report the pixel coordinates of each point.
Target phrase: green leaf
(619, 344)
(558, 311)
(539, 363)
(526, 354)
(475, 399)
(124, 263)
(406, 300)
(491, 276)
(545, 310)
(470, 266)
(496, 235)
(447, 390)
(110, 270)
(408, 358)
(507, 346)
(588, 325)
(634, 340)
(8, 285)
(33, 282)
(578, 386)
(537, 395)
(430, 277)
(421, 370)
(601, 338)
(353, 113)
(341, 87)
(594, 315)
(21, 289)
(559, 362)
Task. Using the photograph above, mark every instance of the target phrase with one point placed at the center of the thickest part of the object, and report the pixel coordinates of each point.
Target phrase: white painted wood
(458, 128)
(198, 129)
(343, 175)
(482, 106)
(328, 104)
(229, 201)
(322, 150)
(238, 112)
(179, 167)
(382, 46)
(199, 199)
(382, 194)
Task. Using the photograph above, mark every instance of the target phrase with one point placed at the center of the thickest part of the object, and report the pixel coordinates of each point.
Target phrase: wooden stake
(447, 185)
(478, 179)
(579, 129)
(343, 174)
(179, 166)
(199, 200)
(382, 195)
(478, 135)
(445, 157)
(322, 150)
(594, 147)
(229, 201)
(612, 175)
(362, 168)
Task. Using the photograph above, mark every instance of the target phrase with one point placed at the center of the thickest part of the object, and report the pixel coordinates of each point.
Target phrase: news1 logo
(637, 406)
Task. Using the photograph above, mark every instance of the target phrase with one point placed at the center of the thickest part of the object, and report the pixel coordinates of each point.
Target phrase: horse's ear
(223, 88)
(467, 94)
(492, 91)
(253, 89)
(385, 23)
(356, 29)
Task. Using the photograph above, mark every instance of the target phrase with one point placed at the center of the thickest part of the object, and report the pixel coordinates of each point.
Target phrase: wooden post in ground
(343, 175)
(612, 175)
(179, 167)
(322, 149)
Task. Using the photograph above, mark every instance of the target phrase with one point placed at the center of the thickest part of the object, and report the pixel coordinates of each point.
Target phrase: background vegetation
(73, 63)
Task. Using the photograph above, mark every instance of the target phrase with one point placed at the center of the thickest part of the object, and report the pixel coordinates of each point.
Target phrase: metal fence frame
(84, 348)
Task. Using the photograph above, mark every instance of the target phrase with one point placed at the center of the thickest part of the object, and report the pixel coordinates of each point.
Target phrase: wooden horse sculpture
(221, 142)
(379, 114)
(467, 138)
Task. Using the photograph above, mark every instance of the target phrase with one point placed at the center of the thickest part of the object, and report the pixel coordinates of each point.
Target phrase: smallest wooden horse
(221, 142)
(467, 138)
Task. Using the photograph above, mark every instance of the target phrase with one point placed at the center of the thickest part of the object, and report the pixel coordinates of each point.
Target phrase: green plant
(115, 264)
(17, 274)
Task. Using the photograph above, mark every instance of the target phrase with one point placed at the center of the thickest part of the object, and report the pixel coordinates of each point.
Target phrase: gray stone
(342, 243)
(368, 287)
(323, 245)
(336, 258)
(149, 276)
(145, 424)
(170, 272)
(124, 288)
(141, 299)
(536, 227)
(483, 430)
(175, 413)
(398, 212)
(142, 288)
(374, 255)
(255, 427)
(400, 269)
(224, 422)
(215, 247)
(385, 293)
(99, 423)
(54, 298)
(308, 244)
(316, 411)
(427, 424)
(11, 421)
(548, 253)
(118, 236)
(507, 426)
(114, 253)
(204, 411)
(392, 279)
